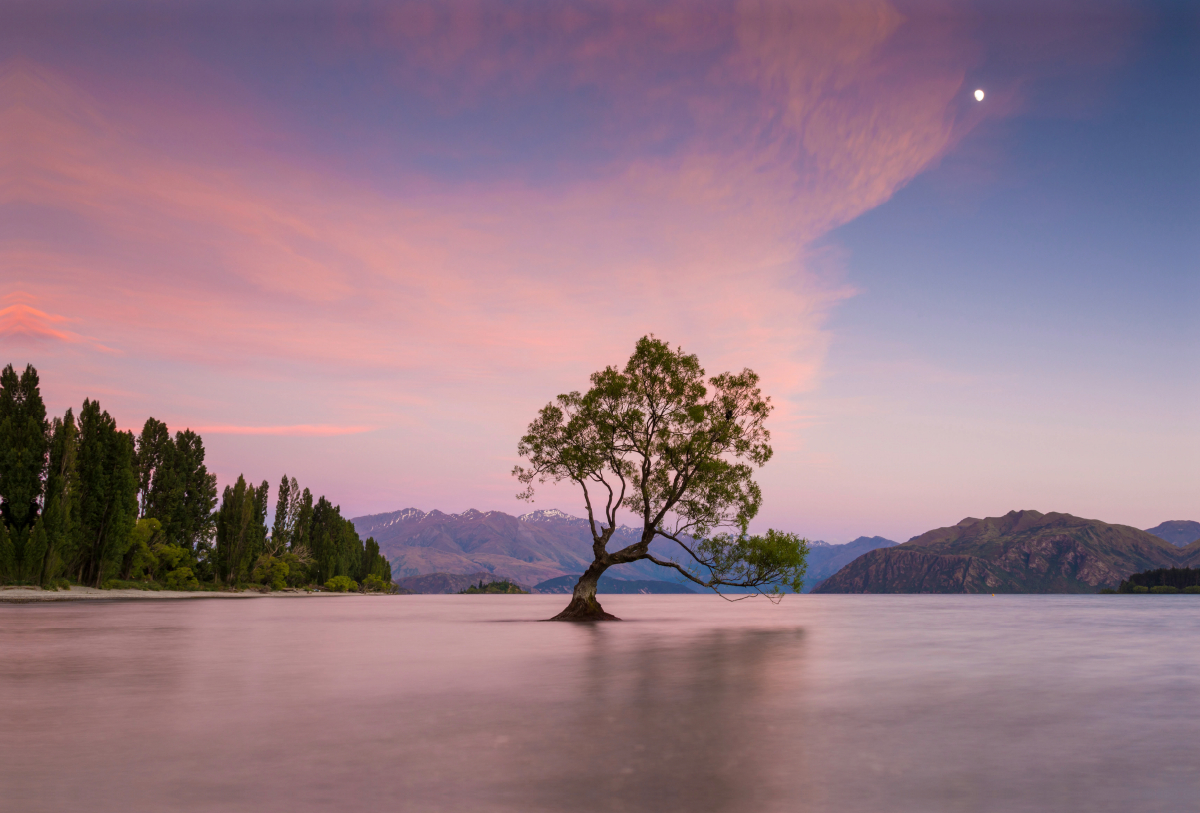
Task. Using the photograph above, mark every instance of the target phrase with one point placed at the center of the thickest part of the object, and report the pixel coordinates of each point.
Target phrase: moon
(979, 95)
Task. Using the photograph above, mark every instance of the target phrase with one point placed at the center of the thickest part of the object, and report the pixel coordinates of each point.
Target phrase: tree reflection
(668, 725)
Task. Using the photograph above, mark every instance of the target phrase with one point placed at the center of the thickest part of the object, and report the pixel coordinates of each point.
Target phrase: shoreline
(36, 595)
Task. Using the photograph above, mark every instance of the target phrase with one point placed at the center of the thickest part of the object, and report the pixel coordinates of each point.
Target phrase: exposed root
(583, 610)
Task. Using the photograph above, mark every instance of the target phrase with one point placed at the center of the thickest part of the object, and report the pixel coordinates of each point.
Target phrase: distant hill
(607, 584)
(529, 549)
(825, 559)
(1020, 552)
(1179, 532)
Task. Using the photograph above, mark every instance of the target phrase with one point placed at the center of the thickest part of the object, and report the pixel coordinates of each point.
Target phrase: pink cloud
(22, 323)
(422, 302)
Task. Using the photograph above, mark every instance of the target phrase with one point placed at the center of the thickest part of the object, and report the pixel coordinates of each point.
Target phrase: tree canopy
(678, 451)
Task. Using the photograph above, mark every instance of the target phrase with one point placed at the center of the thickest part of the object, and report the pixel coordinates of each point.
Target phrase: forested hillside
(83, 502)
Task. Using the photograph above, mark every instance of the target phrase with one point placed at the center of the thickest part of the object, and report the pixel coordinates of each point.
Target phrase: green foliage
(678, 450)
(61, 513)
(181, 578)
(8, 554)
(1176, 578)
(777, 558)
(241, 530)
(175, 486)
(140, 560)
(341, 584)
(24, 444)
(195, 524)
(494, 587)
(107, 494)
(287, 512)
(374, 563)
(79, 498)
(1108, 591)
(374, 584)
(272, 571)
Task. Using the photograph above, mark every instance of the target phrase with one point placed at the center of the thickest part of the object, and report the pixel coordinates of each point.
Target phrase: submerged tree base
(583, 610)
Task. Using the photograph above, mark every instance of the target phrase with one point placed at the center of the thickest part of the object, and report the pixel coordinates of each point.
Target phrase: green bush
(375, 584)
(1139, 588)
(1195, 588)
(181, 578)
(1108, 591)
(1164, 588)
(341, 584)
(271, 570)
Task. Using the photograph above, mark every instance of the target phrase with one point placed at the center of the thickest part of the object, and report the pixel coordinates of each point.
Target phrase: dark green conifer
(60, 513)
(107, 494)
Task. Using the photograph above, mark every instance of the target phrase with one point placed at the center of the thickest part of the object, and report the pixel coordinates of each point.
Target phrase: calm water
(449, 703)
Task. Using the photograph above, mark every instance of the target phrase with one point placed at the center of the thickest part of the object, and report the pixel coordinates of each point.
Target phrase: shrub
(1139, 588)
(375, 584)
(1108, 591)
(1195, 588)
(271, 570)
(341, 584)
(181, 578)
(1164, 588)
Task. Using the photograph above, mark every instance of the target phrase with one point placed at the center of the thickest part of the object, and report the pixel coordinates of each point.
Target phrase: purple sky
(362, 244)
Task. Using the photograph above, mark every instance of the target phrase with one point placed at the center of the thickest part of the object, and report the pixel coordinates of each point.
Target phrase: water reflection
(661, 725)
(862, 704)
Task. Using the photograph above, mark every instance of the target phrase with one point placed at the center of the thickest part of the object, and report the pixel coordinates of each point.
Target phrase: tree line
(84, 502)
(1162, 580)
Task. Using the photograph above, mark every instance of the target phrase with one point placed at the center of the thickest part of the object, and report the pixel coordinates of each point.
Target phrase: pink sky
(302, 279)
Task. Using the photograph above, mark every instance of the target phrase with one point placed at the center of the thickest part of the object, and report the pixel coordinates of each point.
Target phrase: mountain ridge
(1179, 532)
(529, 549)
(1019, 552)
(825, 559)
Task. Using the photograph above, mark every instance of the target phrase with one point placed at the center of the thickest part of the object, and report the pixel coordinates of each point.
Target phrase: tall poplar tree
(107, 494)
(158, 492)
(174, 485)
(287, 507)
(194, 526)
(60, 514)
(23, 448)
(241, 529)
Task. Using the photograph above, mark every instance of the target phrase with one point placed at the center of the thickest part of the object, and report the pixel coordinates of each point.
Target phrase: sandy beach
(31, 595)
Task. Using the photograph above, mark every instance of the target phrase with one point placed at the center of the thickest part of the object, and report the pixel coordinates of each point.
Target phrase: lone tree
(660, 441)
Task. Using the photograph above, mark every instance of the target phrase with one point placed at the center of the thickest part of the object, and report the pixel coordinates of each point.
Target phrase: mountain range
(825, 559)
(528, 549)
(1179, 532)
(1020, 552)
(541, 546)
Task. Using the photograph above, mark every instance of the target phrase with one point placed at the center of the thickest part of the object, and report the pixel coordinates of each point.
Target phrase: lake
(453, 703)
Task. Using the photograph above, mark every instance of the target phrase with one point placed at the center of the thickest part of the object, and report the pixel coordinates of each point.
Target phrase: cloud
(548, 200)
(21, 323)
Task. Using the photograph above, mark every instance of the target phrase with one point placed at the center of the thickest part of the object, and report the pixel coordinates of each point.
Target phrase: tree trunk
(584, 606)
